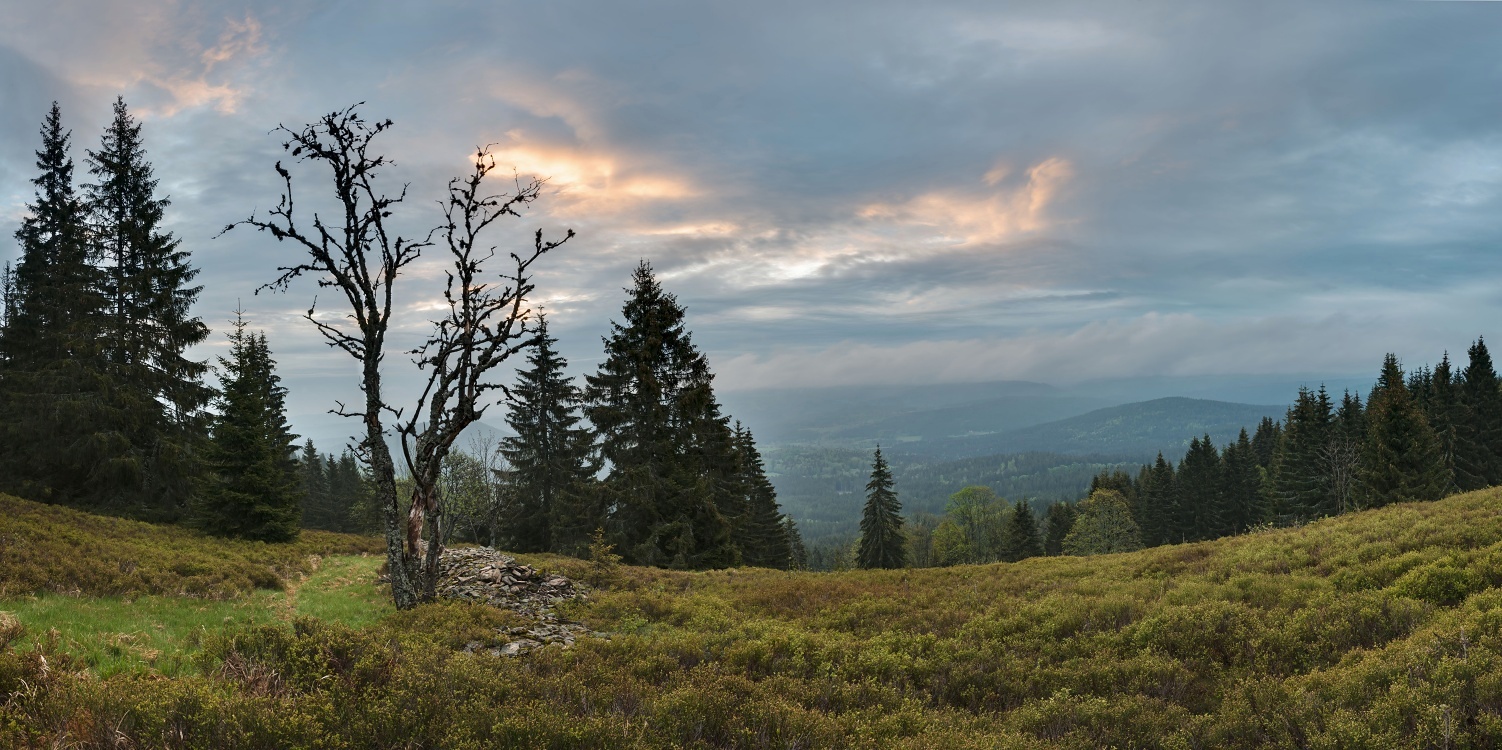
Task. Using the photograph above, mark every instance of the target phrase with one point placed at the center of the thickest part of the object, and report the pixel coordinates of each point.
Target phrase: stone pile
(481, 574)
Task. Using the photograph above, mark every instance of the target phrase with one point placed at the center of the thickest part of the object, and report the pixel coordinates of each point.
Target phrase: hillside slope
(50, 548)
(1377, 629)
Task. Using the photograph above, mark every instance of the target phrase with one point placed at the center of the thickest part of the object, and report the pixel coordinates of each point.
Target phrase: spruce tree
(158, 395)
(1265, 441)
(550, 457)
(882, 544)
(1442, 407)
(252, 488)
(53, 405)
(1240, 486)
(797, 551)
(1057, 522)
(1299, 486)
(1199, 483)
(321, 509)
(1020, 538)
(1158, 504)
(759, 531)
(1402, 460)
(1478, 443)
(669, 450)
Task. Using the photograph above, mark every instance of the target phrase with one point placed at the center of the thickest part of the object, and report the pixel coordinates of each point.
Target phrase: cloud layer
(856, 192)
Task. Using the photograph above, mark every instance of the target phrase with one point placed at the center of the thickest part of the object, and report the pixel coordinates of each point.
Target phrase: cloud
(956, 190)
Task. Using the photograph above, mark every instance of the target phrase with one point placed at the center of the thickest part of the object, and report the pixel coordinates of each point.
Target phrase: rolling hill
(1375, 629)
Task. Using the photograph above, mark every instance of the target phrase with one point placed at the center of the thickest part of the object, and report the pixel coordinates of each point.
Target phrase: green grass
(61, 550)
(1378, 629)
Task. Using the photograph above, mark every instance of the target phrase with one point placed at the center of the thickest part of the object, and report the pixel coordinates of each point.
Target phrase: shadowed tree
(671, 454)
(551, 457)
(157, 396)
(1402, 460)
(53, 388)
(486, 318)
(882, 544)
(1478, 444)
(252, 488)
(1057, 522)
(1019, 539)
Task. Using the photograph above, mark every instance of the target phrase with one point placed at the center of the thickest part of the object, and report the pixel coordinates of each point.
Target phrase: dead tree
(359, 256)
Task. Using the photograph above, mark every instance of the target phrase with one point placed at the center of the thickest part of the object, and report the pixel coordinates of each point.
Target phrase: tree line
(1418, 437)
(100, 407)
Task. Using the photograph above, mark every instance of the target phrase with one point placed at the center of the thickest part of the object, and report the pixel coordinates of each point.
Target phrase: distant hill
(1137, 431)
(858, 415)
(823, 488)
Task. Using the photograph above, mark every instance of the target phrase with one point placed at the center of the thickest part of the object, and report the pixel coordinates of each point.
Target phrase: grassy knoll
(1379, 629)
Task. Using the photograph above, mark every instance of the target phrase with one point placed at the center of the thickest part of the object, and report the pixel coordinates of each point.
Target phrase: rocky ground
(481, 574)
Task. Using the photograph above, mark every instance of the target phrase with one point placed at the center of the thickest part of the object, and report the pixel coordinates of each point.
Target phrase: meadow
(1375, 629)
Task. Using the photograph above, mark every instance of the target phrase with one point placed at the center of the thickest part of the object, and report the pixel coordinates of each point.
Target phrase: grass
(160, 635)
(55, 549)
(1378, 629)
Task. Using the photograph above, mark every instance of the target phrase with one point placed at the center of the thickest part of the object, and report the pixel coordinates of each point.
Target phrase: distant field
(1376, 629)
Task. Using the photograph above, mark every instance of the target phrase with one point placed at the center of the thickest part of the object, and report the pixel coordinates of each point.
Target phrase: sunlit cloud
(968, 217)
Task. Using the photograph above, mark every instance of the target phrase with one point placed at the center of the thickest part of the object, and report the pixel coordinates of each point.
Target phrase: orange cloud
(588, 182)
(967, 218)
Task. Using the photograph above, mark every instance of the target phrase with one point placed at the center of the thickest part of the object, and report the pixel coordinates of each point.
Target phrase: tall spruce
(1299, 488)
(760, 535)
(1402, 459)
(882, 544)
(1020, 539)
(252, 486)
(1240, 486)
(553, 506)
(1340, 461)
(1057, 522)
(1158, 503)
(1201, 513)
(1442, 407)
(1478, 444)
(669, 451)
(158, 393)
(1265, 441)
(54, 416)
(797, 550)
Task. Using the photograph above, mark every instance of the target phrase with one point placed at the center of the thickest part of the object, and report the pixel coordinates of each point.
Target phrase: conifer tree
(669, 450)
(1199, 484)
(158, 393)
(1402, 460)
(1299, 486)
(1340, 460)
(1442, 407)
(1478, 443)
(252, 488)
(882, 544)
(1158, 504)
(1265, 441)
(318, 510)
(53, 413)
(551, 457)
(1057, 522)
(1020, 538)
(760, 534)
(1240, 486)
(797, 551)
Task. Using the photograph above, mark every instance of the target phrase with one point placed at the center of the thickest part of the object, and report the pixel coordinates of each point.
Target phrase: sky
(846, 192)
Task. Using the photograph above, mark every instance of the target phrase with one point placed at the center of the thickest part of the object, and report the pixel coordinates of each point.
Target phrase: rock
(481, 574)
